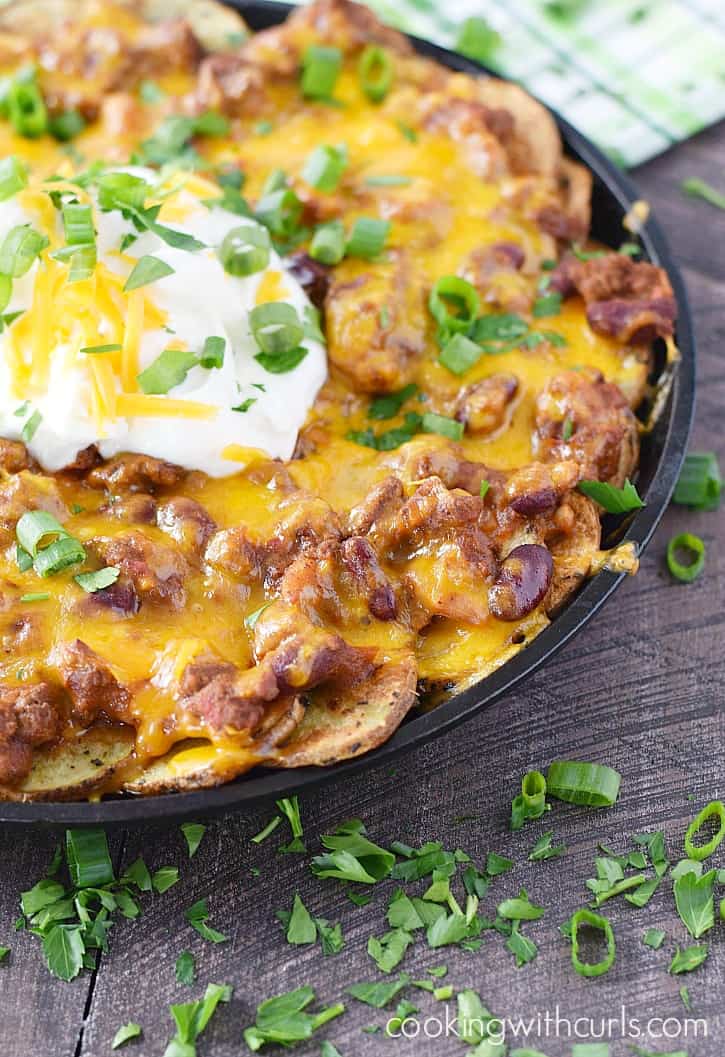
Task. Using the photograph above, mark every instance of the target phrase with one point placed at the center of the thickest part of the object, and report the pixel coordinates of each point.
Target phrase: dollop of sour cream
(48, 395)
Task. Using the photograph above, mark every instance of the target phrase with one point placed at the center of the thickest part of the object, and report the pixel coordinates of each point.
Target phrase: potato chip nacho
(314, 388)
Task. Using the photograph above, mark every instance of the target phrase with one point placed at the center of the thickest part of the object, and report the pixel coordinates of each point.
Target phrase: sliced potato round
(341, 724)
(73, 769)
(196, 763)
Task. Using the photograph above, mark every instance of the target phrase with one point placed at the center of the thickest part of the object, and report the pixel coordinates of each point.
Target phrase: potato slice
(73, 769)
(341, 724)
(196, 763)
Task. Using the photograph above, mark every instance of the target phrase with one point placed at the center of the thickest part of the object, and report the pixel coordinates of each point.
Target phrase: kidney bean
(522, 582)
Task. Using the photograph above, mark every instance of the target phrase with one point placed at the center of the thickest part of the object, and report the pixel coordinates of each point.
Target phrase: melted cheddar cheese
(442, 211)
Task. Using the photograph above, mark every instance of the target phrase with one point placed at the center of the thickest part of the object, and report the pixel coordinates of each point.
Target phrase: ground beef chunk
(25, 491)
(631, 301)
(361, 564)
(135, 473)
(229, 83)
(582, 417)
(478, 128)
(383, 500)
(29, 716)
(156, 572)
(231, 551)
(329, 581)
(376, 326)
(484, 406)
(234, 700)
(201, 671)
(137, 508)
(428, 457)
(84, 461)
(14, 456)
(165, 47)
(187, 522)
(313, 277)
(293, 655)
(92, 686)
(305, 521)
(120, 600)
(495, 272)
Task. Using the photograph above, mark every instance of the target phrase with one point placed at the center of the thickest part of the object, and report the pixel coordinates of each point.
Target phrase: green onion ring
(686, 541)
(698, 852)
(595, 921)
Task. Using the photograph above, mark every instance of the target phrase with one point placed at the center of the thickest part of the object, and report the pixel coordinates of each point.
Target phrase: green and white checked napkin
(636, 76)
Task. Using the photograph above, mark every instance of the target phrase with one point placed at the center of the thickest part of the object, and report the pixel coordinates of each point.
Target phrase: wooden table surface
(641, 689)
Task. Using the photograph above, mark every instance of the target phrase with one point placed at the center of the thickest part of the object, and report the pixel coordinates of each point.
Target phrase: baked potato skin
(294, 614)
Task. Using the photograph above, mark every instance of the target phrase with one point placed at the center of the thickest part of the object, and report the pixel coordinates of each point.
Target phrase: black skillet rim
(676, 420)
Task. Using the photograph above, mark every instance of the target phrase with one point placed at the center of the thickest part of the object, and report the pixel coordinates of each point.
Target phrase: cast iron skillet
(662, 454)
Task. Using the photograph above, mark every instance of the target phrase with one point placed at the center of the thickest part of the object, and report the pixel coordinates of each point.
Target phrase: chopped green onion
(446, 427)
(30, 427)
(280, 211)
(150, 92)
(483, 489)
(81, 237)
(477, 40)
(700, 189)
(567, 428)
(367, 237)
(614, 500)
(58, 556)
(375, 73)
(34, 528)
(595, 921)
(589, 784)
(25, 106)
(407, 132)
(694, 547)
(245, 405)
(89, 863)
(700, 483)
(276, 327)
(96, 581)
(263, 128)
(23, 559)
(245, 250)
(388, 181)
(324, 167)
(533, 791)
(167, 371)
(698, 852)
(97, 350)
(35, 596)
(460, 354)
(20, 249)
(122, 190)
(389, 405)
(66, 125)
(328, 243)
(546, 305)
(6, 291)
(13, 176)
(449, 291)
(146, 270)
(281, 363)
(320, 69)
(274, 822)
(213, 352)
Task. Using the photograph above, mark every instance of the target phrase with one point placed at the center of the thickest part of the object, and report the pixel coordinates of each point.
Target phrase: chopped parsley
(198, 917)
(193, 833)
